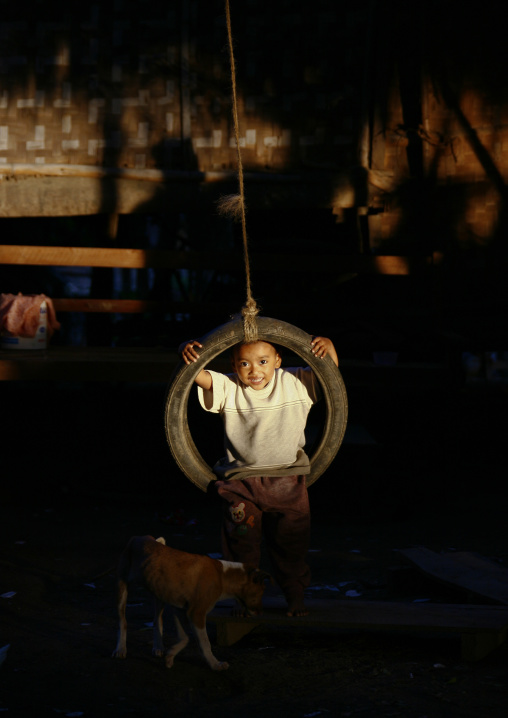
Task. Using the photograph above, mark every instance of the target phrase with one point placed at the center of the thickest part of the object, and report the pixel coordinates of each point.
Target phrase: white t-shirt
(264, 430)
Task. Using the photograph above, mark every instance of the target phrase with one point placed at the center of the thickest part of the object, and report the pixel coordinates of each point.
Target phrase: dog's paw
(157, 652)
(119, 654)
(220, 666)
(169, 660)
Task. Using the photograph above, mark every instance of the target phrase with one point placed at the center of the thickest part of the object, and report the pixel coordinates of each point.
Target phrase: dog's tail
(161, 539)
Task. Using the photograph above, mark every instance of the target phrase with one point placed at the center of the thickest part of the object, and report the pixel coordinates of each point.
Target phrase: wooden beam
(114, 306)
(10, 171)
(139, 306)
(166, 259)
(124, 258)
(73, 190)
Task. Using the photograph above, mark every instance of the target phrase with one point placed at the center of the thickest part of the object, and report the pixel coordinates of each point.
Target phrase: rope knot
(249, 312)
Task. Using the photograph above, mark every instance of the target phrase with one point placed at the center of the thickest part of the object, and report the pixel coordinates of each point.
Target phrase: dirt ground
(96, 470)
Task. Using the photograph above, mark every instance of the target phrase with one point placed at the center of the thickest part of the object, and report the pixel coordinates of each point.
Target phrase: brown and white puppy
(185, 581)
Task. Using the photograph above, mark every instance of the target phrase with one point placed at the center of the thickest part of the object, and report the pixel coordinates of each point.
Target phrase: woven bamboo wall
(129, 84)
(322, 90)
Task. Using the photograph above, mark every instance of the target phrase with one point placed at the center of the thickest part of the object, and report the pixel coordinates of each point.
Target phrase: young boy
(262, 477)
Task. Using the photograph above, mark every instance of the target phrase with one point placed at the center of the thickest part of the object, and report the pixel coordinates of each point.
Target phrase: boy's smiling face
(256, 363)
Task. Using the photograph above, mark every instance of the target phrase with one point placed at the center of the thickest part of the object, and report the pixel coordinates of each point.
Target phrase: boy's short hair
(235, 347)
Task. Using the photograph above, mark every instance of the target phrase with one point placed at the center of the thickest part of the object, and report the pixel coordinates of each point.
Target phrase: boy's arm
(190, 355)
(321, 346)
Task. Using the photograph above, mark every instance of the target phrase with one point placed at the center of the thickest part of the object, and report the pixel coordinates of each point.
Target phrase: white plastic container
(39, 341)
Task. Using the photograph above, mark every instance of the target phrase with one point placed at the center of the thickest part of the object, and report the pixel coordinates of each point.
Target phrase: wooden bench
(481, 629)
(156, 364)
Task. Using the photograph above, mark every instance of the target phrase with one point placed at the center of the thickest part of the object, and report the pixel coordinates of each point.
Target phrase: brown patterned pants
(275, 508)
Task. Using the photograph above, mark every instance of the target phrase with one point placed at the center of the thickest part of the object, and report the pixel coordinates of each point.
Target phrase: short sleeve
(213, 399)
(308, 378)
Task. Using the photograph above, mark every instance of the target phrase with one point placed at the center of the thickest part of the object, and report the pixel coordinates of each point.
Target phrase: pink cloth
(19, 314)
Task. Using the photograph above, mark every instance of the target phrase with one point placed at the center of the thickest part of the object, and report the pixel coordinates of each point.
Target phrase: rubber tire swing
(178, 434)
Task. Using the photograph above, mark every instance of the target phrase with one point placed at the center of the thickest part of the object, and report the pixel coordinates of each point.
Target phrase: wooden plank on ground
(484, 565)
(481, 628)
(478, 576)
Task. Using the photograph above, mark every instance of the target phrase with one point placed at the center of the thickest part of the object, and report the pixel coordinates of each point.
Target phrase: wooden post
(185, 104)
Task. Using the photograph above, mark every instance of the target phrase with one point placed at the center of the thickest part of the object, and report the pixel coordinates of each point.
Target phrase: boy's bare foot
(296, 606)
(239, 611)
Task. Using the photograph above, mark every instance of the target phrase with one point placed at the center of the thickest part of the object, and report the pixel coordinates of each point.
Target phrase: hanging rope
(234, 205)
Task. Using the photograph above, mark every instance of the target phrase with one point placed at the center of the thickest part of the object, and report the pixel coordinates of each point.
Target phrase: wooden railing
(167, 259)
(156, 364)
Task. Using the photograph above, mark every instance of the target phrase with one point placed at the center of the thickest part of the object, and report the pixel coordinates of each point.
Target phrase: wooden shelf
(157, 364)
(88, 364)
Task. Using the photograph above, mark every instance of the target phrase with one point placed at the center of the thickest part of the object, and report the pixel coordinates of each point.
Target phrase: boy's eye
(263, 361)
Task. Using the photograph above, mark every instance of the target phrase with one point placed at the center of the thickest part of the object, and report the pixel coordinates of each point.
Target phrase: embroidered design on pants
(237, 513)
